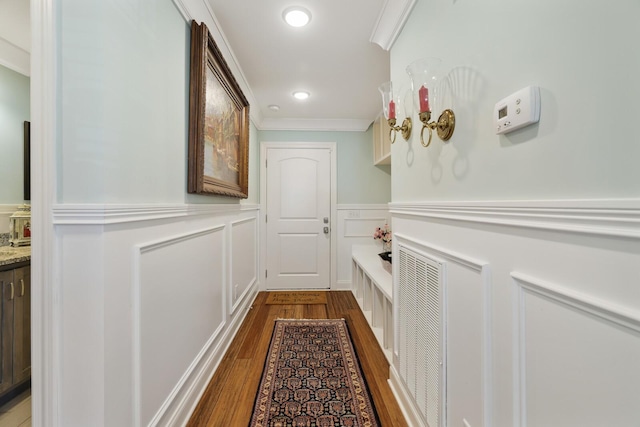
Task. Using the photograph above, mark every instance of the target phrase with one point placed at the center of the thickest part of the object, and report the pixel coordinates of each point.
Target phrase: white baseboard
(179, 410)
(410, 412)
(343, 285)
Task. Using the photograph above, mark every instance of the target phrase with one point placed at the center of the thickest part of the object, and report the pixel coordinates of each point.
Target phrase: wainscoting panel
(542, 309)
(244, 259)
(576, 358)
(182, 274)
(468, 344)
(356, 224)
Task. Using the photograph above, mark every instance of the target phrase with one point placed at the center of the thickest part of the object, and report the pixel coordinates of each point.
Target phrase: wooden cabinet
(381, 141)
(15, 327)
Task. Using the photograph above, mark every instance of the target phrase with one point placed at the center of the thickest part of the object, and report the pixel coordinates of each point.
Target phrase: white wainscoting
(467, 331)
(244, 260)
(595, 379)
(550, 333)
(146, 307)
(356, 224)
(180, 274)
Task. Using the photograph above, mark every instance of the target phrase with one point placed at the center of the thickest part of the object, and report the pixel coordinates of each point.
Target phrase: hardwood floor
(229, 397)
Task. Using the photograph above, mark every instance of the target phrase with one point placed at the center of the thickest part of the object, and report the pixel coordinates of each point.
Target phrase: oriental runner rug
(312, 378)
(296, 297)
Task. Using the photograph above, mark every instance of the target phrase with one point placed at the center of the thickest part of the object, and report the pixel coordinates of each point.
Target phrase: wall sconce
(423, 87)
(389, 108)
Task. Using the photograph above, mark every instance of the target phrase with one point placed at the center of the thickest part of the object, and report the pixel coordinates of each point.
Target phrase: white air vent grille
(420, 332)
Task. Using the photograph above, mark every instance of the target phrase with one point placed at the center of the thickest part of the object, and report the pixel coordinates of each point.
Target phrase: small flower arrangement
(383, 234)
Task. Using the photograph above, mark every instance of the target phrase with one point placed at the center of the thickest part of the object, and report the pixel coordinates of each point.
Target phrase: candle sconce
(423, 78)
(389, 108)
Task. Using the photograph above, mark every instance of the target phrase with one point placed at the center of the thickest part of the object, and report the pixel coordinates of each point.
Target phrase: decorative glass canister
(20, 227)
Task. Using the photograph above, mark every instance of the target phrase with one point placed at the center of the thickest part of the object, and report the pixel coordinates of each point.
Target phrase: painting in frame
(218, 122)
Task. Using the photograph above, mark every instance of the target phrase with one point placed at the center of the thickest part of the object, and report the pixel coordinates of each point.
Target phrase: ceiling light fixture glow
(301, 94)
(296, 16)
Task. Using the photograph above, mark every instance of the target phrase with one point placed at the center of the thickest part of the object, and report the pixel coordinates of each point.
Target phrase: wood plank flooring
(229, 397)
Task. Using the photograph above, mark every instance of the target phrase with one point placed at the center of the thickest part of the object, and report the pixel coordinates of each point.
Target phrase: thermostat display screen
(502, 112)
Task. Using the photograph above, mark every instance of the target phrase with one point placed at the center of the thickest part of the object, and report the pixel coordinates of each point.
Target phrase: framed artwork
(27, 160)
(218, 122)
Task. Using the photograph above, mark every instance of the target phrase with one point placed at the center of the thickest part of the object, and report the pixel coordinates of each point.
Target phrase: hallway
(229, 397)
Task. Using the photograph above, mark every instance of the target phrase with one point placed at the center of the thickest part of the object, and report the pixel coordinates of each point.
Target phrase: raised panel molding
(361, 227)
(180, 392)
(482, 268)
(612, 314)
(250, 284)
(606, 217)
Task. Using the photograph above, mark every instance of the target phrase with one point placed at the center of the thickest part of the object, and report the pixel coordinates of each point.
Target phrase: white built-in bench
(372, 287)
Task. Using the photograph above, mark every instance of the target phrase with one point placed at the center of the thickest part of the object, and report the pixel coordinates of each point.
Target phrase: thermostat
(520, 109)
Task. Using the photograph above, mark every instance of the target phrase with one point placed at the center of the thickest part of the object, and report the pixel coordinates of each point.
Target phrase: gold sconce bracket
(405, 129)
(445, 125)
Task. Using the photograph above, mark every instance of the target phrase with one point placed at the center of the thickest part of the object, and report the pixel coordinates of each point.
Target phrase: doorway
(298, 193)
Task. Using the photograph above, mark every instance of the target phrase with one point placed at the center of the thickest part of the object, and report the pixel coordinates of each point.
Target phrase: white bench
(372, 286)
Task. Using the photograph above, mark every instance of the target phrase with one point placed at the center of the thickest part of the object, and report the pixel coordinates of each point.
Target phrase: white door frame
(264, 146)
(46, 329)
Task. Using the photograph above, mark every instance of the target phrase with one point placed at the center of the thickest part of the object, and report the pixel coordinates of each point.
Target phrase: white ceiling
(332, 58)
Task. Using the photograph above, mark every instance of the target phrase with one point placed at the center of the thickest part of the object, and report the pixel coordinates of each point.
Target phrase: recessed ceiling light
(301, 94)
(296, 16)
(274, 107)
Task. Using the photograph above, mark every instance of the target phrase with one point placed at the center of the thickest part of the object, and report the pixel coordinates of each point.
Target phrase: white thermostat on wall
(520, 109)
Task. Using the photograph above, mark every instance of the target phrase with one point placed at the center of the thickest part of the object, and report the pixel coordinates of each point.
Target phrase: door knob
(326, 230)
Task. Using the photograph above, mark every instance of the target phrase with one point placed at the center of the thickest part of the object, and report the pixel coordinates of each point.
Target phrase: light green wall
(124, 83)
(582, 55)
(359, 181)
(14, 111)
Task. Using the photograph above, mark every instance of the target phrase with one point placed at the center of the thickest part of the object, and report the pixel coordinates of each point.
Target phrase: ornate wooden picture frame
(218, 122)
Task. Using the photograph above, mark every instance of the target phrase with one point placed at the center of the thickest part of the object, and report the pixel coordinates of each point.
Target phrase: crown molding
(14, 57)
(392, 17)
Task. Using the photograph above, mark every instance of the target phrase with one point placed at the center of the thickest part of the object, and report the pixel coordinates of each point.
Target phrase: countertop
(11, 255)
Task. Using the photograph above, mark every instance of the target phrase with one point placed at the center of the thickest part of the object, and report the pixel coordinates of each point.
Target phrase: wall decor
(27, 160)
(218, 122)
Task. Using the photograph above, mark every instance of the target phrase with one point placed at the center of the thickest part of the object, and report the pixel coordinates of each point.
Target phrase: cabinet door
(22, 325)
(7, 291)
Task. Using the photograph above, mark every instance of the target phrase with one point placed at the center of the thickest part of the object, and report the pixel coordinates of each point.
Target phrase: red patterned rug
(312, 378)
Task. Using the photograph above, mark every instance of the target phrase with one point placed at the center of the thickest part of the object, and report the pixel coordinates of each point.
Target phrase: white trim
(14, 57)
(595, 307)
(363, 207)
(407, 405)
(46, 329)
(253, 281)
(138, 251)
(99, 214)
(392, 18)
(605, 217)
(481, 267)
(209, 362)
(264, 146)
(368, 234)
(337, 125)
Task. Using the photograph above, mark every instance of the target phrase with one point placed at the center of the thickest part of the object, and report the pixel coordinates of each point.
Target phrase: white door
(298, 246)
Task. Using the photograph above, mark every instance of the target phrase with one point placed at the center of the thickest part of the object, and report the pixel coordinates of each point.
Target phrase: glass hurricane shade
(423, 78)
(388, 104)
